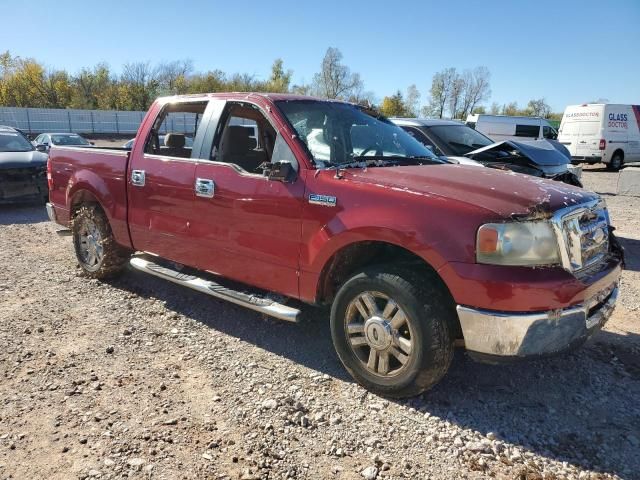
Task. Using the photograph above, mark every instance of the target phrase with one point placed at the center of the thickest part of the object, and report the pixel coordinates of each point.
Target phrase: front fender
(332, 238)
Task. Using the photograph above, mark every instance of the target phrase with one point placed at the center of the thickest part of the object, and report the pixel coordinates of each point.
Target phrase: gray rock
(369, 473)
(270, 404)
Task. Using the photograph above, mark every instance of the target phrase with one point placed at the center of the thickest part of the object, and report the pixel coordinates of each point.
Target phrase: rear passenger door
(161, 185)
(246, 226)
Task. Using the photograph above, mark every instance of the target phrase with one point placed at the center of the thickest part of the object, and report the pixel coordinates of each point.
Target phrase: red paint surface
(266, 234)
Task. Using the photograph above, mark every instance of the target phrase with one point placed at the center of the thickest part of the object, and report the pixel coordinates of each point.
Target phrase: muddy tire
(393, 329)
(97, 252)
(616, 162)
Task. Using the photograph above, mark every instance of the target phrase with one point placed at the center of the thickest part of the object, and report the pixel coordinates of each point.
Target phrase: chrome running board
(248, 300)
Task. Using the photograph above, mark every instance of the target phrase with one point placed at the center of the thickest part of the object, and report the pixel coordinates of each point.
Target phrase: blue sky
(566, 51)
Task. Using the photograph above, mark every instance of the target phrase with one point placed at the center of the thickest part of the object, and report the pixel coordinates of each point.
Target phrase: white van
(504, 127)
(602, 132)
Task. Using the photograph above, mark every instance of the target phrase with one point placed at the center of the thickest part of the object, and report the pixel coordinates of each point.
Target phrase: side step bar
(254, 302)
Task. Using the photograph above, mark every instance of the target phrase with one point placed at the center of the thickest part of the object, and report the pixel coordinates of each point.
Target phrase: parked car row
(332, 204)
(45, 141)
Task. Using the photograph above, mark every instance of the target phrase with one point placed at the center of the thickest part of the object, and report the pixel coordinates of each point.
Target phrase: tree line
(25, 82)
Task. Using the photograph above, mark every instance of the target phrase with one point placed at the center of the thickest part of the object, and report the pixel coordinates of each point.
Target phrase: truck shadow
(579, 407)
(23, 213)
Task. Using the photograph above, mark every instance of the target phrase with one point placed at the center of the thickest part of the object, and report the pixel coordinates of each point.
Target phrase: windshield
(340, 133)
(14, 142)
(460, 138)
(68, 140)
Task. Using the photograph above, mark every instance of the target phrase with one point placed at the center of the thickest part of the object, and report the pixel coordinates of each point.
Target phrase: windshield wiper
(397, 159)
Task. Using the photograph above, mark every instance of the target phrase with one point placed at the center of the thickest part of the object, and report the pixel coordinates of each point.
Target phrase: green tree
(394, 106)
(279, 80)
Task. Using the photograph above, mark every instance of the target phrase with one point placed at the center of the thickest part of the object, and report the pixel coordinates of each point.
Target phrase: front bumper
(490, 334)
(22, 184)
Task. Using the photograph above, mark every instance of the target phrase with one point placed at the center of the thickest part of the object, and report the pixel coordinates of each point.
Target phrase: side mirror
(42, 147)
(281, 172)
(92, 143)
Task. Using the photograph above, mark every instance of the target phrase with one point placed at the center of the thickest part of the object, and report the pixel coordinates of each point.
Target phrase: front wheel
(97, 252)
(392, 329)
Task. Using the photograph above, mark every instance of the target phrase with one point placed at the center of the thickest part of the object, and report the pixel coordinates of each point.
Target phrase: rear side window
(175, 129)
(527, 130)
(471, 125)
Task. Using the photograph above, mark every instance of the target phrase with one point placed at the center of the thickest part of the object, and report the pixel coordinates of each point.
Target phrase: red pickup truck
(262, 198)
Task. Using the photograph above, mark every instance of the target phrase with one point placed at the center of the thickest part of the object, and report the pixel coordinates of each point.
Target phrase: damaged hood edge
(541, 152)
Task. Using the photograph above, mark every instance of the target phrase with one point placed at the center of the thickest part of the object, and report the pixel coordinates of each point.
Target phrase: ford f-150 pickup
(283, 197)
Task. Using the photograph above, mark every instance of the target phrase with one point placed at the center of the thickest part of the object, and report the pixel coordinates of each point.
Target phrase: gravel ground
(139, 378)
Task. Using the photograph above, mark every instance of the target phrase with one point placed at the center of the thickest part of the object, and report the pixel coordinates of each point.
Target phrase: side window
(548, 132)
(421, 137)
(175, 129)
(527, 130)
(246, 139)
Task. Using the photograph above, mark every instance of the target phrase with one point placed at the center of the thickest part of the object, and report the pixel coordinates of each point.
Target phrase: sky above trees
(566, 52)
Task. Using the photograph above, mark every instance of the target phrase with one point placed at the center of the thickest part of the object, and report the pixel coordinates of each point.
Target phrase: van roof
(478, 115)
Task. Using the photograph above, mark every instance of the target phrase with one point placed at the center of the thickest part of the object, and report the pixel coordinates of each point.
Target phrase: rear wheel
(616, 162)
(392, 329)
(97, 252)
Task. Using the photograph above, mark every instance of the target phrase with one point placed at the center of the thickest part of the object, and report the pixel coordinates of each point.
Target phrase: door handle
(137, 178)
(205, 188)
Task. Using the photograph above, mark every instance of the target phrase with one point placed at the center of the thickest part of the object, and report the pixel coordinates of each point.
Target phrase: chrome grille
(583, 236)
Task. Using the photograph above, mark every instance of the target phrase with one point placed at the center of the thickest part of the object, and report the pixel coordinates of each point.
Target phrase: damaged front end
(590, 252)
(23, 183)
(540, 158)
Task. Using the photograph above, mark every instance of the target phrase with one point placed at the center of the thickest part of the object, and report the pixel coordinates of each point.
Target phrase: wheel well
(356, 256)
(620, 151)
(83, 197)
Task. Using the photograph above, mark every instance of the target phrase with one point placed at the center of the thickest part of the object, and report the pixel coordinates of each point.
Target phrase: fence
(39, 120)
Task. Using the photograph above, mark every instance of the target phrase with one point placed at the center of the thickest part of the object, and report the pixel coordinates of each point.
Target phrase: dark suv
(23, 170)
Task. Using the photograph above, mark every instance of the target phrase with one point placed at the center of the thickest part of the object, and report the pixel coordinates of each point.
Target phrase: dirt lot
(138, 378)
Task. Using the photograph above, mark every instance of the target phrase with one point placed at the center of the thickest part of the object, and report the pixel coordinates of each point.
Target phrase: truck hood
(507, 194)
(32, 158)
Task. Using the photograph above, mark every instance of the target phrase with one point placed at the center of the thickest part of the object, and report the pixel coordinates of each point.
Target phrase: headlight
(517, 243)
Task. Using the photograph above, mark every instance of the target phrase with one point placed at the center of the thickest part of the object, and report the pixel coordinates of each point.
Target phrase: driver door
(246, 226)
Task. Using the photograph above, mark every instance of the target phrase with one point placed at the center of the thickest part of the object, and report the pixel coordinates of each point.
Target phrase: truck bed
(91, 172)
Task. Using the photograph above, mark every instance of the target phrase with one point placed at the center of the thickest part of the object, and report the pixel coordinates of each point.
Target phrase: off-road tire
(616, 162)
(426, 304)
(114, 258)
